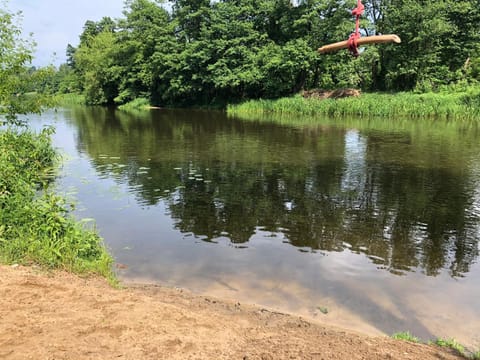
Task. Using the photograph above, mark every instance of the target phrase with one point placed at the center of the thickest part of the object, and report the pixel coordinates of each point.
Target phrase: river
(371, 225)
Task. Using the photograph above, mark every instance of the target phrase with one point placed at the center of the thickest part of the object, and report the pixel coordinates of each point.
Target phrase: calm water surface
(377, 221)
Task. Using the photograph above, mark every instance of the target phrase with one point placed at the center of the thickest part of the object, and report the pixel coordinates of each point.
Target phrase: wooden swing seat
(366, 40)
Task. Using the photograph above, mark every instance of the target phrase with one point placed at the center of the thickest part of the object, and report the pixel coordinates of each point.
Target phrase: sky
(56, 23)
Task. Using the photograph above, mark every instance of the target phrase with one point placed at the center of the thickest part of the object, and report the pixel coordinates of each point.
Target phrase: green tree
(323, 22)
(95, 62)
(191, 15)
(146, 40)
(438, 38)
(213, 52)
(16, 78)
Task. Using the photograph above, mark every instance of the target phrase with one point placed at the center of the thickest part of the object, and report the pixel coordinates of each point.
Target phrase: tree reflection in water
(403, 193)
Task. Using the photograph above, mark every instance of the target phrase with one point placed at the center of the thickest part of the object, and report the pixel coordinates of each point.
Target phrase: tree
(146, 41)
(95, 63)
(438, 39)
(212, 52)
(192, 15)
(16, 79)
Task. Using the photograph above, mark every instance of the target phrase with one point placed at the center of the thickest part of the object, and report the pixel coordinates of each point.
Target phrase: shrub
(35, 224)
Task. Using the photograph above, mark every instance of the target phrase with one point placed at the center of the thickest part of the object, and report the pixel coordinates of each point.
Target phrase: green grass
(405, 336)
(36, 225)
(69, 99)
(464, 105)
(138, 104)
(450, 343)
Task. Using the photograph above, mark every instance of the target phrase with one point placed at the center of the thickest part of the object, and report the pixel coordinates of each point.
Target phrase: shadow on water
(404, 195)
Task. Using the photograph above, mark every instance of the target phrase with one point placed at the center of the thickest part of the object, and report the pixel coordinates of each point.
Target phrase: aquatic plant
(429, 105)
(69, 99)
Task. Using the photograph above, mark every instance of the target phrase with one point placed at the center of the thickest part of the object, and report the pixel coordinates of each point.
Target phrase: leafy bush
(35, 224)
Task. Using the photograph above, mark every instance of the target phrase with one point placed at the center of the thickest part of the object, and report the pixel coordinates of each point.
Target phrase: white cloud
(56, 23)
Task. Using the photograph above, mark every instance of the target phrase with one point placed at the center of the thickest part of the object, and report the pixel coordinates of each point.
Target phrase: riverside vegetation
(36, 226)
(465, 105)
(35, 223)
(213, 53)
(449, 343)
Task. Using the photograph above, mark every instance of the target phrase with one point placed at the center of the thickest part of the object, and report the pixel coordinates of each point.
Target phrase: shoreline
(60, 315)
(459, 105)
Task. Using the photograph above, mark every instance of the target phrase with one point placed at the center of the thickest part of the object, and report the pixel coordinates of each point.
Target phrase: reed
(464, 105)
(70, 99)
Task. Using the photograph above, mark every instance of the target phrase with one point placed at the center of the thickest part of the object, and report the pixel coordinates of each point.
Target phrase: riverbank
(36, 224)
(443, 105)
(59, 315)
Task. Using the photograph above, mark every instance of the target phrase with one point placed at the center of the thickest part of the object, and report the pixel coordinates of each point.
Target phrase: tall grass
(137, 104)
(35, 224)
(436, 105)
(70, 99)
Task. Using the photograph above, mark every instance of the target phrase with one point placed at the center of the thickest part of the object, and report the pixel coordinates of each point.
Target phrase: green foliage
(205, 52)
(450, 343)
(438, 38)
(35, 225)
(472, 99)
(98, 76)
(405, 336)
(136, 105)
(438, 105)
(70, 99)
(17, 80)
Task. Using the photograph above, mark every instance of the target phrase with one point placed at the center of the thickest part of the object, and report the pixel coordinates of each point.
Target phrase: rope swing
(353, 39)
(356, 39)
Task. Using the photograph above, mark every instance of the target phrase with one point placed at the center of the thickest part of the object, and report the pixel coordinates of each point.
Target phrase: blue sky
(56, 23)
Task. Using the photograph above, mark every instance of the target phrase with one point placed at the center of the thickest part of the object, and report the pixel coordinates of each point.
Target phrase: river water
(372, 225)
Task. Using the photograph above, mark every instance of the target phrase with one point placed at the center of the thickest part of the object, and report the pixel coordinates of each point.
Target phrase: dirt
(330, 94)
(61, 316)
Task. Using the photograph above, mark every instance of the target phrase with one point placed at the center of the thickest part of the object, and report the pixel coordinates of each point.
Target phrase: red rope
(353, 39)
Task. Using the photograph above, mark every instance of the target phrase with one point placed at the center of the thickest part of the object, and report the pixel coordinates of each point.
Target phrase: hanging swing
(355, 40)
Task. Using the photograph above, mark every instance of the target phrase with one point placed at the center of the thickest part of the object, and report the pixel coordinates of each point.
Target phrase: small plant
(405, 336)
(476, 356)
(450, 343)
(323, 309)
